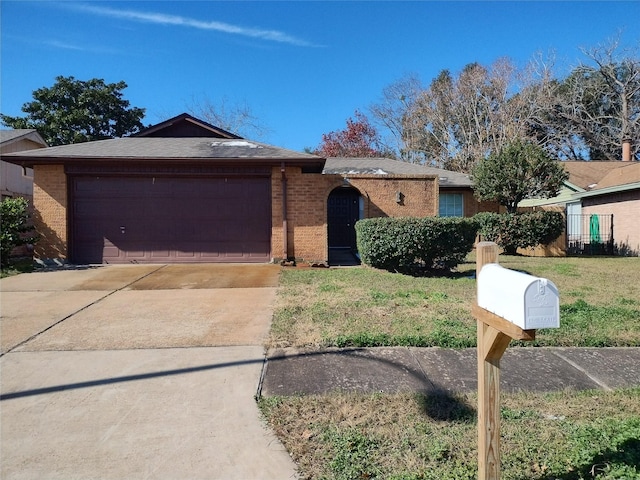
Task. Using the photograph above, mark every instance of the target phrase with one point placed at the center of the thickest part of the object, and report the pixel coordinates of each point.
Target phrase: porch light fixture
(399, 198)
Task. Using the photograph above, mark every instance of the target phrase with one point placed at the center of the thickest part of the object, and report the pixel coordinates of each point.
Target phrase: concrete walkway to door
(137, 371)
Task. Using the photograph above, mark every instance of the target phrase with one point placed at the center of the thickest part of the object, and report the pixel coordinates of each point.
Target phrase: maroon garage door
(169, 219)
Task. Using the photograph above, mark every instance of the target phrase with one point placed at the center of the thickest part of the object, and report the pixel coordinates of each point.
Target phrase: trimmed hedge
(520, 230)
(407, 244)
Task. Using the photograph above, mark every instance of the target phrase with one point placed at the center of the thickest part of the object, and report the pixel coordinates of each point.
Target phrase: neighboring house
(186, 191)
(601, 203)
(616, 195)
(583, 176)
(17, 181)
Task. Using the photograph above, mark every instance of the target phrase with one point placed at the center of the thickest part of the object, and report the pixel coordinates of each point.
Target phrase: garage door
(169, 219)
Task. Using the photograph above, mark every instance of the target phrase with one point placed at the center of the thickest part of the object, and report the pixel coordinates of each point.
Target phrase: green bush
(15, 227)
(405, 244)
(520, 230)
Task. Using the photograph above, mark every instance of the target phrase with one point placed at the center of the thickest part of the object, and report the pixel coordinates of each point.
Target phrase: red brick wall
(307, 196)
(50, 216)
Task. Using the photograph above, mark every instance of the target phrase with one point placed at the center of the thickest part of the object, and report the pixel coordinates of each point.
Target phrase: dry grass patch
(567, 435)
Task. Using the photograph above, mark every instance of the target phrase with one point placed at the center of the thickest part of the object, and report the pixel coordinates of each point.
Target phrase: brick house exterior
(186, 154)
(618, 194)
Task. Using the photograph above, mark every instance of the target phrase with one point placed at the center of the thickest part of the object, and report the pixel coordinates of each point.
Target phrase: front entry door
(342, 215)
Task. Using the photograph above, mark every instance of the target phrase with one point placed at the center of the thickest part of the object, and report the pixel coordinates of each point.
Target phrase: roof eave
(27, 161)
(607, 190)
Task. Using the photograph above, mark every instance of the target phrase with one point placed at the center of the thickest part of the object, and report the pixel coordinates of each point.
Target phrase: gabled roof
(8, 137)
(386, 166)
(585, 174)
(627, 172)
(184, 125)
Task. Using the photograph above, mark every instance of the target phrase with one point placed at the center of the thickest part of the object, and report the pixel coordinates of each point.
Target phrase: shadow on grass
(446, 407)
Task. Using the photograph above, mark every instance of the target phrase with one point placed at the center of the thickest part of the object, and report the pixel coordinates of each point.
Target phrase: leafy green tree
(75, 111)
(519, 170)
(15, 229)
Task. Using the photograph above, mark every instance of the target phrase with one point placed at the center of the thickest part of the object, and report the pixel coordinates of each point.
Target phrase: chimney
(626, 150)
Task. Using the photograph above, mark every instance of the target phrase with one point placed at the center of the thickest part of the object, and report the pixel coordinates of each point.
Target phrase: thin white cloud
(77, 48)
(164, 19)
(63, 45)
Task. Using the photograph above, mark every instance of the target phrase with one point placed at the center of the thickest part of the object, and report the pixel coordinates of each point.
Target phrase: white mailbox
(529, 302)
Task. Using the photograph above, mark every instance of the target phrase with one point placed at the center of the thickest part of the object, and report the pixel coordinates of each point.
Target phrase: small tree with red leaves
(358, 139)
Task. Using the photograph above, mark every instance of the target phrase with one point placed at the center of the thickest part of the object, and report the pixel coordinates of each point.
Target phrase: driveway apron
(137, 372)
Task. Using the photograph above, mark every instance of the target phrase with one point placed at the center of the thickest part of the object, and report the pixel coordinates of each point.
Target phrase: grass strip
(565, 436)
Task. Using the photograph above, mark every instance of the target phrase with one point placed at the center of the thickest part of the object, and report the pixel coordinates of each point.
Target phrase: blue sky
(303, 67)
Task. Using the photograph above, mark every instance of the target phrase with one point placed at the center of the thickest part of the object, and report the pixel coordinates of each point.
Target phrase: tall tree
(599, 103)
(517, 171)
(75, 111)
(461, 119)
(390, 113)
(358, 139)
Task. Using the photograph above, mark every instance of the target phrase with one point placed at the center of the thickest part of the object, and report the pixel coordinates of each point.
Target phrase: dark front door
(342, 214)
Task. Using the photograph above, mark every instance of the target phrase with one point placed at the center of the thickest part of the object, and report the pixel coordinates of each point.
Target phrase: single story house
(17, 181)
(187, 191)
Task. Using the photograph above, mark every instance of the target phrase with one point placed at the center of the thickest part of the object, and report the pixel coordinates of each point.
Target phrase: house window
(451, 205)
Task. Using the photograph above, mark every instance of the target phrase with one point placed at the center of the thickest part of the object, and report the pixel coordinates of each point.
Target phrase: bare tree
(236, 117)
(390, 113)
(600, 103)
(467, 118)
(459, 120)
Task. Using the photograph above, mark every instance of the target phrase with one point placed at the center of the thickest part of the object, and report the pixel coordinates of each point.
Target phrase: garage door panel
(131, 219)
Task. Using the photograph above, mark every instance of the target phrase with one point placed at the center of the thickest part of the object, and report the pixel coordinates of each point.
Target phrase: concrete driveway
(137, 371)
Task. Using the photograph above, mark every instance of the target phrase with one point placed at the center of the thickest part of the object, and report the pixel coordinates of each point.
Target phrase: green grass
(363, 307)
(564, 436)
(558, 436)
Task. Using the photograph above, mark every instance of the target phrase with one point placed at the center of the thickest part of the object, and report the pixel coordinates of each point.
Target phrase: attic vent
(235, 143)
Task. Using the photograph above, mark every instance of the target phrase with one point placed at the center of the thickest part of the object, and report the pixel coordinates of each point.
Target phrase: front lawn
(545, 436)
(600, 305)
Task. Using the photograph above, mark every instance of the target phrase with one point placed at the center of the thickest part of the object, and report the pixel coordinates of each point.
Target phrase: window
(451, 205)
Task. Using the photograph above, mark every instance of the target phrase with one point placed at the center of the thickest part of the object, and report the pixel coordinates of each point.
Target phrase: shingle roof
(205, 129)
(384, 166)
(18, 133)
(154, 148)
(587, 174)
(627, 172)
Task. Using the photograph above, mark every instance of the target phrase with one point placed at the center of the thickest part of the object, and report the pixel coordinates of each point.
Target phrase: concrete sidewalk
(389, 370)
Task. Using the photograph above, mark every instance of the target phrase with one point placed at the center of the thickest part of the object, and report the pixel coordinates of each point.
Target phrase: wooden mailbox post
(494, 335)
